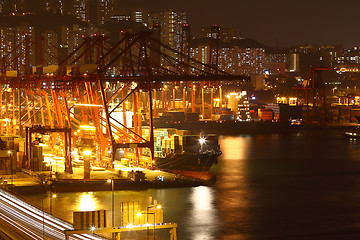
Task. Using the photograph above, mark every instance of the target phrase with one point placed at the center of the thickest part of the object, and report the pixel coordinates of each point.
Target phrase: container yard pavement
(28, 178)
(119, 172)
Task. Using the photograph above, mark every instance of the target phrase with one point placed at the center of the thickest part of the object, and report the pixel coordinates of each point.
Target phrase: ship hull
(355, 134)
(231, 127)
(207, 176)
(188, 164)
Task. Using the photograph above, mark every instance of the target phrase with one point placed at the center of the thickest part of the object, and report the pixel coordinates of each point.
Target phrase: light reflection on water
(193, 209)
(87, 202)
(203, 217)
(268, 187)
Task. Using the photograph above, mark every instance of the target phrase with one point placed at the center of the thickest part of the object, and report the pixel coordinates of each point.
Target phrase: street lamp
(50, 170)
(139, 214)
(334, 90)
(147, 212)
(112, 201)
(11, 166)
(52, 195)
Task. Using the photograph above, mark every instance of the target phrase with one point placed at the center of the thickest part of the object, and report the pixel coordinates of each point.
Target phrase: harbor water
(303, 185)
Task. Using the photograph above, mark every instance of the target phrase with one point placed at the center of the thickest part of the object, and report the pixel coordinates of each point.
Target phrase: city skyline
(62, 30)
(278, 23)
(191, 120)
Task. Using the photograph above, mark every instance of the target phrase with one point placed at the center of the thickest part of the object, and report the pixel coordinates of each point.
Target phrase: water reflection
(235, 147)
(232, 190)
(203, 213)
(268, 187)
(87, 202)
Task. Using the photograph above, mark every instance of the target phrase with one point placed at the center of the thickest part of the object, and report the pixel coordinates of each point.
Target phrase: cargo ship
(189, 155)
(179, 152)
(226, 121)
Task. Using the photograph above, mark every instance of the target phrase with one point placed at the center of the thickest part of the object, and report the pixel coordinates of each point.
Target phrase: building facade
(234, 58)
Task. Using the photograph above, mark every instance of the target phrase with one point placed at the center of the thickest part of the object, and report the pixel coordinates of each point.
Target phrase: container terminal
(110, 109)
(94, 110)
(131, 115)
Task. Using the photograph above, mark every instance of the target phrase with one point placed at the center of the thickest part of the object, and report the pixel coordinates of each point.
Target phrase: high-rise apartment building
(50, 45)
(17, 7)
(12, 7)
(141, 16)
(120, 15)
(71, 37)
(171, 28)
(250, 61)
(147, 18)
(154, 20)
(51, 5)
(81, 9)
(225, 33)
(104, 9)
(13, 45)
(235, 57)
(66, 7)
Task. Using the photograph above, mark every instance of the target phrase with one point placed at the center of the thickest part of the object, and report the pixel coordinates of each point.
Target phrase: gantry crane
(313, 87)
(92, 89)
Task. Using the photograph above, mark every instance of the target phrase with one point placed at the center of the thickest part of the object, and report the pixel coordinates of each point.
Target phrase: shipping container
(265, 114)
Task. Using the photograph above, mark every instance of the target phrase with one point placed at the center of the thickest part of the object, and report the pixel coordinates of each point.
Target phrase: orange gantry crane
(313, 92)
(102, 92)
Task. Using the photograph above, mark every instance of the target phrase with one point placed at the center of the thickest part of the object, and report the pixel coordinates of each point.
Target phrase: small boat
(353, 134)
(356, 132)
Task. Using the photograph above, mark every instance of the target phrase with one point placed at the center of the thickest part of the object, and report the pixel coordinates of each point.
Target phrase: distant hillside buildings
(64, 24)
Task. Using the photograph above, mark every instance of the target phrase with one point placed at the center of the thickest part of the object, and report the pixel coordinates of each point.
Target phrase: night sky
(272, 22)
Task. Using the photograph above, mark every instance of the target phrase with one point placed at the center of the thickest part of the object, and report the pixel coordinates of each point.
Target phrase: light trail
(8, 221)
(33, 222)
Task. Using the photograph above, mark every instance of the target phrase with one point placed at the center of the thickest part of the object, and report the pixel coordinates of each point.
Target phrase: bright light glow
(9, 152)
(87, 105)
(130, 226)
(87, 127)
(87, 152)
(54, 195)
(109, 181)
(93, 228)
(139, 214)
(202, 141)
(158, 206)
(87, 202)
